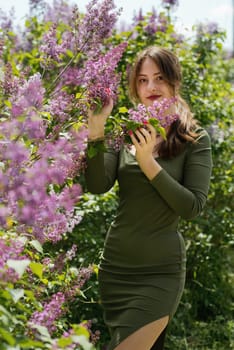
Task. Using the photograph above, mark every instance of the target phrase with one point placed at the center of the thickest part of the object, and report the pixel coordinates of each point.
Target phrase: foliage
(52, 230)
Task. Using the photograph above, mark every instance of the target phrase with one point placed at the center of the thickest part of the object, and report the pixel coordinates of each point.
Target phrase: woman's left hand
(144, 140)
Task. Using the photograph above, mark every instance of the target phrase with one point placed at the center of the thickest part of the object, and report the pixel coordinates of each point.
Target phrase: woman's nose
(152, 85)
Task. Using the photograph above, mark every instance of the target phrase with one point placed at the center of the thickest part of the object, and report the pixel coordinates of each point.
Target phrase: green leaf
(16, 294)
(44, 334)
(95, 147)
(7, 336)
(82, 340)
(63, 342)
(123, 110)
(37, 245)
(18, 265)
(37, 268)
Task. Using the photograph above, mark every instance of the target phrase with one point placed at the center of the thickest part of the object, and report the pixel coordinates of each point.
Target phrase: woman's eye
(159, 78)
(142, 80)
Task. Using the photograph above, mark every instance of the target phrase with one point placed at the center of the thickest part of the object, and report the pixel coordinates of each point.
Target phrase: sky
(188, 13)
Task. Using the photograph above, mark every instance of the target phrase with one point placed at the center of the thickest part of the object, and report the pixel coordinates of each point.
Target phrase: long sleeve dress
(142, 270)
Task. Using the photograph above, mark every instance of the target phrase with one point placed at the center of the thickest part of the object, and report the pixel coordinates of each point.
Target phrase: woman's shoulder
(201, 141)
(202, 135)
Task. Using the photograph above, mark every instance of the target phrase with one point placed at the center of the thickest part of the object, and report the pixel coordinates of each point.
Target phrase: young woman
(142, 270)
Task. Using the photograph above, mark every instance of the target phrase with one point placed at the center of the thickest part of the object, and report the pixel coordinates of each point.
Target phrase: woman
(142, 270)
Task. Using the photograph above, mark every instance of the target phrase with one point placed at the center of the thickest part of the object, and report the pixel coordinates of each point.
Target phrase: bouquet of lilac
(161, 115)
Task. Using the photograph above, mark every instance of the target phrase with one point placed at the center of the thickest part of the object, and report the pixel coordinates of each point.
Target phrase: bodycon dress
(142, 269)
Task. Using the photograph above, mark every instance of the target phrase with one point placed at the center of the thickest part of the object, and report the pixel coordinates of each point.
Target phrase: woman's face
(150, 83)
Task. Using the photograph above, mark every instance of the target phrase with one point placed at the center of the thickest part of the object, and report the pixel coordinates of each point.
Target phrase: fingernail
(145, 122)
(130, 132)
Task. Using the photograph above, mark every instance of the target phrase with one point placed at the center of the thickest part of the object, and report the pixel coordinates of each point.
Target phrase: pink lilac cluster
(99, 77)
(58, 11)
(27, 179)
(71, 253)
(10, 83)
(51, 312)
(158, 111)
(11, 250)
(61, 260)
(94, 336)
(26, 196)
(211, 28)
(170, 2)
(96, 25)
(55, 308)
(155, 22)
(6, 20)
(78, 281)
(59, 107)
(51, 52)
(84, 275)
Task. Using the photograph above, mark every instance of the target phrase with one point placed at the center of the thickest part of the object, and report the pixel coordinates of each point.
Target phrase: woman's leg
(145, 337)
(159, 344)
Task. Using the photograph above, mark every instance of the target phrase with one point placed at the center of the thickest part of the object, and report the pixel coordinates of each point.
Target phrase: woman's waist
(161, 249)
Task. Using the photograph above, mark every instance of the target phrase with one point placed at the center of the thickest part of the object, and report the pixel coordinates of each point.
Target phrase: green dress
(142, 270)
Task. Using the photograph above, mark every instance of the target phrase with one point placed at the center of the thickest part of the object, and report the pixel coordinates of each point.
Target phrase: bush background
(204, 320)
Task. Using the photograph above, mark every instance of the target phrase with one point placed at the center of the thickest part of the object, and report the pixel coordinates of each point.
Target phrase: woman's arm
(101, 171)
(188, 199)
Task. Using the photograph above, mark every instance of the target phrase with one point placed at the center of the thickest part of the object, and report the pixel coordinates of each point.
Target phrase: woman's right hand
(96, 121)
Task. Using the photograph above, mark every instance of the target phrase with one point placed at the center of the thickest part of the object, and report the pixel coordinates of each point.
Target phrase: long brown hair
(183, 129)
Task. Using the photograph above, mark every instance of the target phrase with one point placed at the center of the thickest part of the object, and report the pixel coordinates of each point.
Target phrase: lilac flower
(138, 17)
(170, 3)
(51, 51)
(24, 184)
(84, 275)
(97, 24)
(161, 114)
(35, 4)
(70, 254)
(11, 249)
(207, 28)
(151, 27)
(158, 112)
(6, 21)
(59, 106)
(151, 23)
(51, 312)
(29, 96)
(59, 12)
(99, 77)
(10, 84)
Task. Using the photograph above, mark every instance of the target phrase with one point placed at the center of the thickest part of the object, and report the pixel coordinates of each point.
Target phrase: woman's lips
(153, 97)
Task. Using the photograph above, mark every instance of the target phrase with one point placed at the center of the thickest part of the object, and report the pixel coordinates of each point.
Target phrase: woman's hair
(183, 129)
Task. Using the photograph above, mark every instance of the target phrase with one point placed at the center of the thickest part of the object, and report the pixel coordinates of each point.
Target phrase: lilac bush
(50, 73)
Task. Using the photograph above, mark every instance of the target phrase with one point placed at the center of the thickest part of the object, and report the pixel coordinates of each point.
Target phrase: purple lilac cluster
(51, 52)
(59, 107)
(99, 78)
(155, 22)
(207, 28)
(158, 111)
(51, 312)
(25, 196)
(59, 11)
(10, 250)
(87, 325)
(97, 24)
(27, 179)
(170, 2)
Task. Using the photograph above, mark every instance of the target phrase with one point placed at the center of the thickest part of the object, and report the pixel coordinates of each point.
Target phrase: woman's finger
(140, 136)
